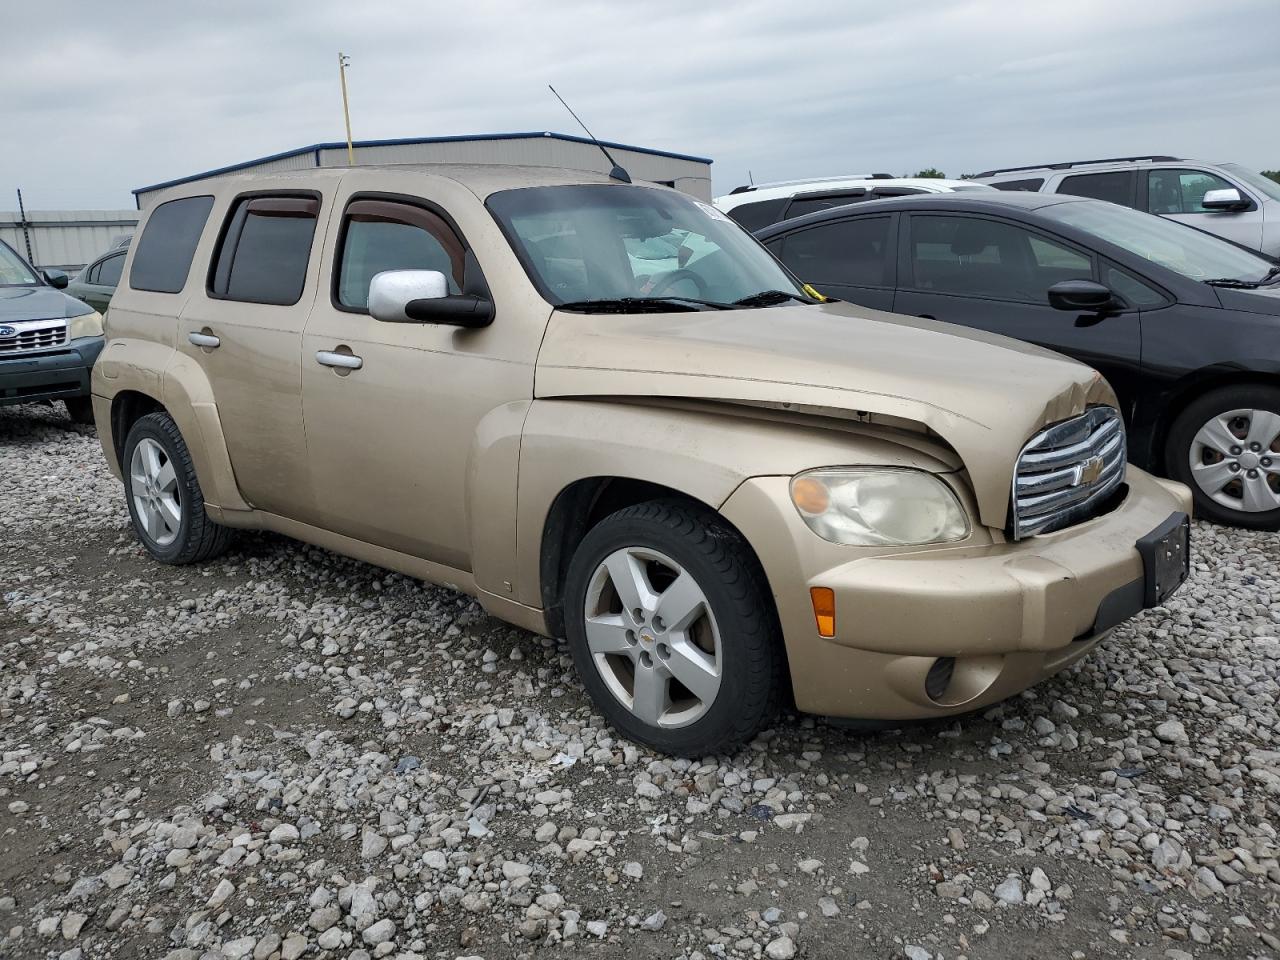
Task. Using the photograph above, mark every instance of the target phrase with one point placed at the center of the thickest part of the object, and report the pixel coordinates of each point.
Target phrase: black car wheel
(1226, 447)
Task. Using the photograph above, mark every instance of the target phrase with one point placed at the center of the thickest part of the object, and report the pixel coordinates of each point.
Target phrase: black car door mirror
(56, 279)
(1081, 295)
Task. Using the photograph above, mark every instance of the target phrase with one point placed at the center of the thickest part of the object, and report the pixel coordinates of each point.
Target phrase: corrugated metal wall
(689, 176)
(66, 239)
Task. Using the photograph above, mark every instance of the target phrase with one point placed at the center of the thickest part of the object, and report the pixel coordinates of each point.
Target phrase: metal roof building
(689, 174)
(65, 239)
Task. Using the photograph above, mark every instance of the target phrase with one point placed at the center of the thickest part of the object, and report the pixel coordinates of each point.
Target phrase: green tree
(930, 173)
(1273, 174)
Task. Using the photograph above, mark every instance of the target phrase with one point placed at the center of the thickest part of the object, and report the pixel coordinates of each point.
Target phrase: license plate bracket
(1166, 558)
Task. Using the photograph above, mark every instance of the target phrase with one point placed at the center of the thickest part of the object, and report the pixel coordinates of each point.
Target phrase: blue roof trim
(315, 148)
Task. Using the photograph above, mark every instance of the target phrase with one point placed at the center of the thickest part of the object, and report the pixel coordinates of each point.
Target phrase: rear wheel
(1226, 447)
(673, 630)
(164, 496)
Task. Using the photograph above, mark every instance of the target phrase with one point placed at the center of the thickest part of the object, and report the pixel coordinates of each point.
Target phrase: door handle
(203, 340)
(345, 361)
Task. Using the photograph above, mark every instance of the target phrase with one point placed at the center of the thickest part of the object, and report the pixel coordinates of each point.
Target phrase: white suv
(762, 204)
(1226, 199)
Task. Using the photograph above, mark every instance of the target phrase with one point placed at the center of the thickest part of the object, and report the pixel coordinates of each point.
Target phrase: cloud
(101, 100)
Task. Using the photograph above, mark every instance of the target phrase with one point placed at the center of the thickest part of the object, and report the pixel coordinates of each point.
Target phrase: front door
(1177, 193)
(400, 414)
(994, 275)
(245, 331)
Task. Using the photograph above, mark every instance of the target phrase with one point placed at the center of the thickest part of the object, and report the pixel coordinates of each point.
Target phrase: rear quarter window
(168, 243)
(1031, 184)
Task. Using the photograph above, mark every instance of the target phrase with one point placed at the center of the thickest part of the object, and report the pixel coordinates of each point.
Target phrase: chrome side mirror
(391, 291)
(1228, 198)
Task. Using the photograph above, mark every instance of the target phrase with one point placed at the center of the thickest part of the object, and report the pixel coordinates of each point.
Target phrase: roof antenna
(617, 173)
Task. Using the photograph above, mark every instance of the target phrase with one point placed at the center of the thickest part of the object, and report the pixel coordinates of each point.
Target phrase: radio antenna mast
(617, 173)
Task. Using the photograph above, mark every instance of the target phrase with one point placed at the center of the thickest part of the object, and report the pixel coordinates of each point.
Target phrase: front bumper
(51, 375)
(1010, 614)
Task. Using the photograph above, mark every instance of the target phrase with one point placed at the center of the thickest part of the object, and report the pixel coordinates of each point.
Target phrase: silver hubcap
(1235, 459)
(653, 637)
(154, 487)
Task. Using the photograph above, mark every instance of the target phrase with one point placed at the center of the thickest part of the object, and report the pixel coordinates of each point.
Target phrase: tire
(726, 630)
(1207, 432)
(80, 410)
(185, 534)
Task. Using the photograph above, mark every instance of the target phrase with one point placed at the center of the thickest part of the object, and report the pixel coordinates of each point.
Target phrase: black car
(1184, 325)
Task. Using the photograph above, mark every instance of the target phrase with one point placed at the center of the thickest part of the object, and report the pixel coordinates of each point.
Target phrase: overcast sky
(101, 98)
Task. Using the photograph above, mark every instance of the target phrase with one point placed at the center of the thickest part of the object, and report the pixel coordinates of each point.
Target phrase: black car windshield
(616, 246)
(1200, 256)
(14, 271)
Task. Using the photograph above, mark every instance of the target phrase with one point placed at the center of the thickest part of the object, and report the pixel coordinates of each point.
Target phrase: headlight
(85, 325)
(877, 506)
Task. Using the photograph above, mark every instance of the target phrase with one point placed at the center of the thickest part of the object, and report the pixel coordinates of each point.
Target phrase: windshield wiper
(642, 305)
(767, 298)
(1233, 282)
(1271, 274)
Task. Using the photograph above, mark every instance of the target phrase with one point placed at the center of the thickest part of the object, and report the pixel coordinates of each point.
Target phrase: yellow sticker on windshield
(814, 293)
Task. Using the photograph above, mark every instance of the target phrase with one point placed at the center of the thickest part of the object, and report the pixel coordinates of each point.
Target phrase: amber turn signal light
(824, 610)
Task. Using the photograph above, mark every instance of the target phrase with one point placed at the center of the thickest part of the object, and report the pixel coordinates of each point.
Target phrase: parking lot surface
(289, 754)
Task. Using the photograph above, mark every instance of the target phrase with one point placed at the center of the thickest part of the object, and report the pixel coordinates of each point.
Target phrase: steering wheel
(675, 276)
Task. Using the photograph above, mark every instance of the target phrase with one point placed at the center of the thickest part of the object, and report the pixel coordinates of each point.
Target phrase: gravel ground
(289, 754)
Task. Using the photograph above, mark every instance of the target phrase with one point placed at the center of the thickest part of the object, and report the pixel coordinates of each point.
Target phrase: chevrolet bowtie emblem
(1089, 471)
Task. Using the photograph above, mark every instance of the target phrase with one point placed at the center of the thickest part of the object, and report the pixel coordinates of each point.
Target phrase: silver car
(1234, 202)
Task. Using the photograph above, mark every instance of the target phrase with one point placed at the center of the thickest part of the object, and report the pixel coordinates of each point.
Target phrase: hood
(37, 303)
(1264, 300)
(984, 395)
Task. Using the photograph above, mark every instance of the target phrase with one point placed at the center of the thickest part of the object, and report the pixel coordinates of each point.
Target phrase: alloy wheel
(153, 484)
(1235, 460)
(653, 637)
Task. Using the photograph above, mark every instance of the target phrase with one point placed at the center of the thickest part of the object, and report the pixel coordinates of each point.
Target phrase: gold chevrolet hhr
(607, 413)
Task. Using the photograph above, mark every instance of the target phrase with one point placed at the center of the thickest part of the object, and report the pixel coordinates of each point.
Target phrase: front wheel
(80, 410)
(166, 504)
(1226, 447)
(673, 630)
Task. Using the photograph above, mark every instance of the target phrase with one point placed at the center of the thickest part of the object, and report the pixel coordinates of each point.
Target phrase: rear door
(994, 274)
(103, 279)
(1116, 186)
(1177, 193)
(851, 259)
(244, 328)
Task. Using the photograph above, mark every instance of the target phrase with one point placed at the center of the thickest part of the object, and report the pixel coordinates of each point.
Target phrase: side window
(966, 256)
(1135, 292)
(802, 205)
(851, 252)
(108, 271)
(265, 247)
(753, 216)
(168, 244)
(1181, 191)
(91, 274)
(1115, 187)
(382, 235)
(1033, 184)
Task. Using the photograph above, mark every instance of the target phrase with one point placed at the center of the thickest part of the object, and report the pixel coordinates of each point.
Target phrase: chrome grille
(31, 335)
(1066, 470)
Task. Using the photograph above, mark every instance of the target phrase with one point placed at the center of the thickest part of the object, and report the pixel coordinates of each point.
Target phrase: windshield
(601, 242)
(1254, 179)
(1182, 249)
(14, 271)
